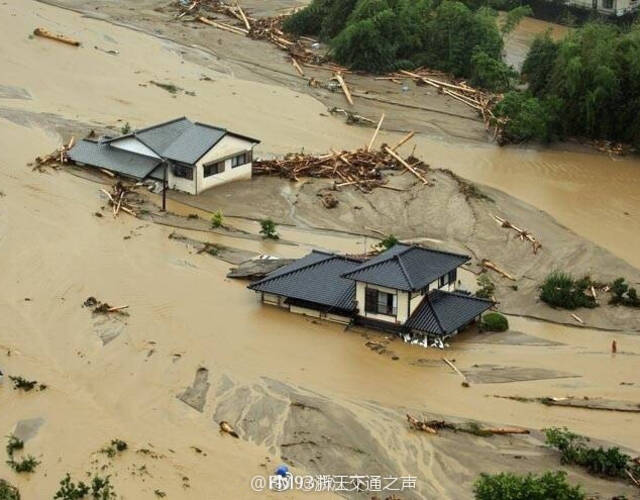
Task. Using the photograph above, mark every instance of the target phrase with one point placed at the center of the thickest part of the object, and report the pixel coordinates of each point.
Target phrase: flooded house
(408, 289)
(184, 155)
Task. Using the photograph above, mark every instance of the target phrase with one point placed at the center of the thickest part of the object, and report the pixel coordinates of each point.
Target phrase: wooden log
(490, 265)
(375, 134)
(108, 195)
(222, 26)
(118, 308)
(297, 66)
(403, 140)
(577, 318)
(465, 382)
(506, 430)
(58, 38)
(110, 174)
(406, 165)
(244, 18)
(419, 425)
(345, 89)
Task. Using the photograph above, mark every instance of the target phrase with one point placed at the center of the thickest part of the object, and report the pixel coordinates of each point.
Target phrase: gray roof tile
(100, 154)
(444, 312)
(193, 143)
(407, 268)
(314, 278)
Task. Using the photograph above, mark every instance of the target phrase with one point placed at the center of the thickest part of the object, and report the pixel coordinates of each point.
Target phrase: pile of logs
(523, 234)
(483, 102)
(55, 159)
(265, 28)
(433, 426)
(362, 168)
(118, 198)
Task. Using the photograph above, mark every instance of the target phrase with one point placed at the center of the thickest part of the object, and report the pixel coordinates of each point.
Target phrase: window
(607, 4)
(378, 302)
(442, 281)
(213, 168)
(242, 159)
(183, 171)
(453, 276)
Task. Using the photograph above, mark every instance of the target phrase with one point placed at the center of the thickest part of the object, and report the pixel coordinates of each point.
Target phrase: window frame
(221, 167)
(380, 302)
(179, 170)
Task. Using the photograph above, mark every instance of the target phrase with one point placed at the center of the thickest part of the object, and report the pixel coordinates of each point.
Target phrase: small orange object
(614, 346)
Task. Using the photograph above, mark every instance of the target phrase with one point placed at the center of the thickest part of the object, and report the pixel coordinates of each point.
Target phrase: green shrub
(486, 288)
(25, 464)
(623, 294)
(100, 489)
(217, 219)
(361, 46)
(22, 383)
(494, 322)
(14, 444)
(268, 229)
(561, 290)
(508, 486)
(490, 73)
(388, 242)
(8, 492)
(529, 118)
(126, 128)
(117, 445)
(308, 21)
(574, 449)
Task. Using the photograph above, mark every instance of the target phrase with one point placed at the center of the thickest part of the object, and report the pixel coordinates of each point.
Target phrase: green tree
(539, 63)
(268, 229)
(508, 486)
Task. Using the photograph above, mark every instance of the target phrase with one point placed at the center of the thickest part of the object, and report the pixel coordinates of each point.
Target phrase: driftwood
(465, 382)
(490, 265)
(226, 428)
(433, 426)
(55, 159)
(577, 318)
(118, 198)
(41, 32)
(522, 233)
(361, 169)
(375, 134)
(345, 88)
(579, 402)
(297, 66)
(403, 140)
(407, 166)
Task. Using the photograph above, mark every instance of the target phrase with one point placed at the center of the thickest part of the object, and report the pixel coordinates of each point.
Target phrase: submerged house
(408, 289)
(187, 156)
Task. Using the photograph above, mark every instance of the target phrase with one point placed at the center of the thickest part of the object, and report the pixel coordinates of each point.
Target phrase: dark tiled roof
(100, 154)
(181, 139)
(407, 268)
(315, 278)
(444, 312)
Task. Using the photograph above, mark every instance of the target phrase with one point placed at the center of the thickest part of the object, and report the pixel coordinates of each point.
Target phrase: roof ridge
(465, 296)
(151, 127)
(404, 271)
(312, 264)
(435, 314)
(446, 252)
(210, 126)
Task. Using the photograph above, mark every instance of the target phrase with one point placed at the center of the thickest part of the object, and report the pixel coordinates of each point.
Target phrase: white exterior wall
(402, 304)
(134, 145)
(228, 147)
(618, 7)
(180, 183)
(415, 301)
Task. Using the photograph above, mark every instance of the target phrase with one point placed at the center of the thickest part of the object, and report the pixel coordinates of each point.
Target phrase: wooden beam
(403, 140)
(406, 165)
(58, 38)
(222, 26)
(375, 134)
(345, 89)
(297, 66)
(244, 18)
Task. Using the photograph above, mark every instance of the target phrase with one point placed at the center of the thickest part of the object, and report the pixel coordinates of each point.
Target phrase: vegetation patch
(623, 294)
(508, 486)
(99, 489)
(562, 290)
(21, 383)
(585, 85)
(217, 219)
(8, 491)
(388, 242)
(574, 449)
(486, 287)
(464, 39)
(494, 322)
(116, 446)
(268, 229)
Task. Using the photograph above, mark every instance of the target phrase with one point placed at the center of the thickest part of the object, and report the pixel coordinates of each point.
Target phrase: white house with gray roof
(193, 156)
(408, 289)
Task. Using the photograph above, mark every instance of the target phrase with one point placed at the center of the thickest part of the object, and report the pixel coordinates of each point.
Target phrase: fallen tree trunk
(58, 38)
(345, 89)
(490, 265)
(433, 426)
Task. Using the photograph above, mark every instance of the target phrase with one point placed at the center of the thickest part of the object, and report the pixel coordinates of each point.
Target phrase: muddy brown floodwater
(197, 348)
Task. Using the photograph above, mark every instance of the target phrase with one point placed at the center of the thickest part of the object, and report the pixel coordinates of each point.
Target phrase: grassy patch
(494, 322)
(8, 492)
